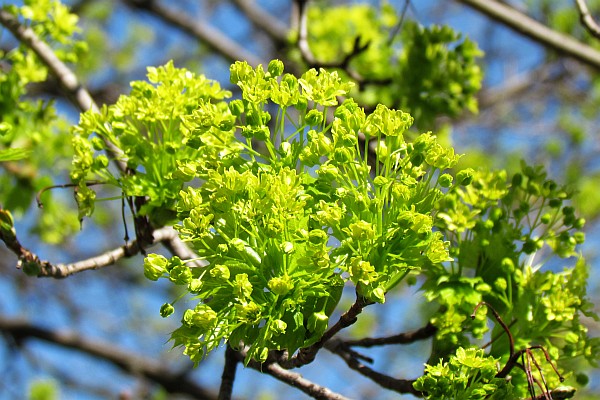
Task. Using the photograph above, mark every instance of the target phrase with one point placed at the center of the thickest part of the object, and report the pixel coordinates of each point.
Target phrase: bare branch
(46, 269)
(263, 20)
(210, 36)
(587, 20)
(397, 385)
(228, 375)
(307, 355)
(403, 338)
(537, 31)
(293, 379)
(155, 371)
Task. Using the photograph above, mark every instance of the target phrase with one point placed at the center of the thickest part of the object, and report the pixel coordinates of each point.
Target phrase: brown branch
(291, 378)
(340, 348)
(511, 340)
(210, 36)
(308, 354)
(263, 20)
(403, 338)
(523, 24)
(228, 376)
(46, 269)
(155, 371)
(587, 20)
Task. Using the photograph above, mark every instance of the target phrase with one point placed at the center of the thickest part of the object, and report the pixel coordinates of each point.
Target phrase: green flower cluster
(468, 375)
(299, 213)
(170, 130)
(501, 231)
(32, 137)
(428, 71)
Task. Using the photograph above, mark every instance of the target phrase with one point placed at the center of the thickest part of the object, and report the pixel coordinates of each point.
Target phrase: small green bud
(445, 180)
(166, 310)
(546, 218)
(500, 285)
(287, 247)
(555, 203)
(275, 68)
(97, 143)
(579, 223)
(507, 265)
(155, 266)
(220, 271)
(180, 275)
(236, 107)
(281, 285)
(195, 285)
(278, 327)
(314, 117)
(579, 237)
(465, 176)
(317, 322)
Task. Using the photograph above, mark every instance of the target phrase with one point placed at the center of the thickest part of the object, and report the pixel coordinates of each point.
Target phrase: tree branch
(587, 20)
(228, 376)
(166, 235)
(340, 348)
(211, 37)
(537, 31)
(263, 20)
(293, 379)
(403, 338)
(172, 382)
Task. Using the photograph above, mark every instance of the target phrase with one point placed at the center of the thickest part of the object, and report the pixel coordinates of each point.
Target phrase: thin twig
(537, 31)
(38, 196)
(403, 338)
(340, 348)
(587, 20)
(210, 36)
(154, 371)
(511, 340)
